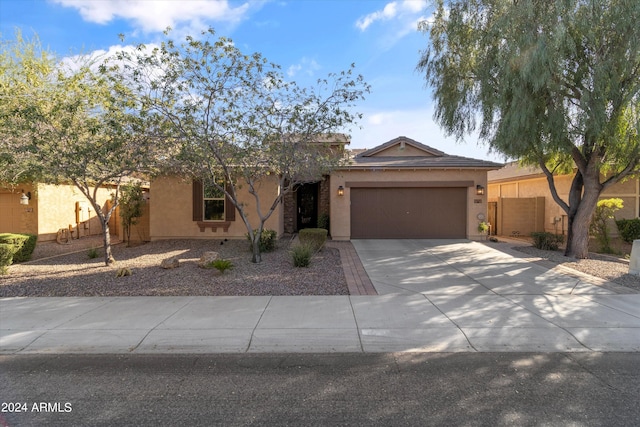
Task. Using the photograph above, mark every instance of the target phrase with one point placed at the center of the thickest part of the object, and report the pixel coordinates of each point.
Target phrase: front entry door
(307, 206)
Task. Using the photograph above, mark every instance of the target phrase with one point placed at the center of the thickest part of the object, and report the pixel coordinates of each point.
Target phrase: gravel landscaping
(77, 275)
(605, 267)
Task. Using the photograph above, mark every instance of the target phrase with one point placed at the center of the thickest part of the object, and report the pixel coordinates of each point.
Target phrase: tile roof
(421, 162)
(513, 170)
(401, 139)
(433, 159)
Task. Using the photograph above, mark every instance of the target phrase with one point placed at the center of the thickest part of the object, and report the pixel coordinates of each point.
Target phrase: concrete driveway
(434, 296)
(492, 299)
(462, 267)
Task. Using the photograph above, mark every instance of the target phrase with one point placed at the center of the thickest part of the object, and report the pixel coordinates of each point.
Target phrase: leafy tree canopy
(554, 83)
(70, 121)
(233, 115)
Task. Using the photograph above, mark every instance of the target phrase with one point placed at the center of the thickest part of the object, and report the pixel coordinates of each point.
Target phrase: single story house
(400, 189)
(520, 202)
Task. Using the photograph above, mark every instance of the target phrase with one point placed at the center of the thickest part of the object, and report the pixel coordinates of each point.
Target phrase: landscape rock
(123, 272)
(207, 258)
(168, 263)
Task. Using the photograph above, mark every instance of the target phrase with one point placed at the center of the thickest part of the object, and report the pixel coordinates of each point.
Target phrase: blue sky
(307, 38)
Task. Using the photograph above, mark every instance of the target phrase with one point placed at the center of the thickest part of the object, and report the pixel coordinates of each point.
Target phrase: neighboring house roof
(321, 138)
(403, 152)
(513, 171)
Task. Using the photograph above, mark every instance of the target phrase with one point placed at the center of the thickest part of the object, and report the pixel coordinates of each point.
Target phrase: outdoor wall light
(341, 191)
(479, 190)
(24, 199)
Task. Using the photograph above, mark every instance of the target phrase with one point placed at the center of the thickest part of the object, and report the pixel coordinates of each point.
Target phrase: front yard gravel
(605, 267)
(77, 275)
(74, 274)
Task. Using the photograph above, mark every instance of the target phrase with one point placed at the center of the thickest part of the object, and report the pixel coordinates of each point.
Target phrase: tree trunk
(126, 228)
(106, 238)
(256, 256)
(575, 197)
(578, 243)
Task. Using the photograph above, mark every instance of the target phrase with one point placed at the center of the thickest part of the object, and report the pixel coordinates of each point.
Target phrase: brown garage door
(408, 213)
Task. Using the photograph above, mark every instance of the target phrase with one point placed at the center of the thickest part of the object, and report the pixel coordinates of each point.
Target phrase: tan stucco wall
(57, 209)
(341, 209)
(628, 191)
(17, 218)
(140, 231)
(171, 215)
(520, 216)
(51, 208)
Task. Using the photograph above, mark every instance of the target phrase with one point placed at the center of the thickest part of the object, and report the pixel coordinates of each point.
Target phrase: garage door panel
(408, 213)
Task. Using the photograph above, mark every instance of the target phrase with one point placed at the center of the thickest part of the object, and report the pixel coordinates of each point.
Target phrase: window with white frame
(213, 198)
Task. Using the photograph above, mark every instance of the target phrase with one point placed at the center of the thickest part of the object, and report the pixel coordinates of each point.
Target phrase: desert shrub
(268, 240)
(315, 237)
(323, 221)
(629, 229)
(93, 253)
(6, 257)
(131, 207)
(547, 241)
(221, 265)
(301, 255)
(23, 245)
(599, 228)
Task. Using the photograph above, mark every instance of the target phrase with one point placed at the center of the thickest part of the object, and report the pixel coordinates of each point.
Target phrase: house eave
(413, 168)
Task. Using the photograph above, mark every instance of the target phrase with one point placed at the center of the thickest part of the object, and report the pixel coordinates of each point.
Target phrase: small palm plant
(221, 265)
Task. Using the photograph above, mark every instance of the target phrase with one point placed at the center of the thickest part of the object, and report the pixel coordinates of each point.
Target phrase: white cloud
(394, 10)
(414, 6)
(293, 70)
(306, 65)
(388, 12)
(156, 15)
(92, 59)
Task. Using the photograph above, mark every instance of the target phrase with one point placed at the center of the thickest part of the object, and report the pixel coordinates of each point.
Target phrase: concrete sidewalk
(435, 296)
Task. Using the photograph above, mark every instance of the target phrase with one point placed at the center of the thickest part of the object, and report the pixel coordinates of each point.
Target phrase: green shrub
(315, 237)
(323, 221)
(547, 241)
(268, 240)
(93, 253)
(131, 204)
(23, 245)
(599, 228)
(629, 229)
(6, 257)
(301, 255)
(221, 265)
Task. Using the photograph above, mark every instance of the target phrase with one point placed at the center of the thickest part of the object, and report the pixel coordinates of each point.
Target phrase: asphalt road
(580, 389)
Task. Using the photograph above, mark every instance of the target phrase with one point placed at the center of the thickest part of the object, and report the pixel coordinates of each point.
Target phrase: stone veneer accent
(289, 212)
(290, 202)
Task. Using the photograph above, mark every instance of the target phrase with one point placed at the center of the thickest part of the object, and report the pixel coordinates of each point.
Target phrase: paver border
(358, 280)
